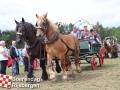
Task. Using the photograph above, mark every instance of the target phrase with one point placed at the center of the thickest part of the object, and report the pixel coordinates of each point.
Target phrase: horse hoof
(58, 70)
(79, 70)
(52, 76)
(64, 77)
(54, 79)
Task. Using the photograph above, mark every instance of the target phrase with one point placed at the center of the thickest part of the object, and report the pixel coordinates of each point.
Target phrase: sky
(107, 12)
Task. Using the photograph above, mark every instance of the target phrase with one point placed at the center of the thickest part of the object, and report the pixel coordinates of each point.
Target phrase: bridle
(46, 25)
(44, 30)
(26, 33)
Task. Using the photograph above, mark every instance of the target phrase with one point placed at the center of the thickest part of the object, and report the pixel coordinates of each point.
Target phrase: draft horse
(35, 48)
(57, 45)
(106, 49)
(111, 48)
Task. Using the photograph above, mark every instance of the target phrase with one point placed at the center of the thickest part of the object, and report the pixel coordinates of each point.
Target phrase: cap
(74, 27)
(1, 42)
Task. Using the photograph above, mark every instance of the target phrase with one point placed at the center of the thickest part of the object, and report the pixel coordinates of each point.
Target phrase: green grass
(103, 78)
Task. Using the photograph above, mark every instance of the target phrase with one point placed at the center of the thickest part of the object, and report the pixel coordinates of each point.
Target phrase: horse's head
(21, 32)
(113, 42)
(42, 25)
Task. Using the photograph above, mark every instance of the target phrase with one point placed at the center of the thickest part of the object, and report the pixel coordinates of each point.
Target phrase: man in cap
(75, 32)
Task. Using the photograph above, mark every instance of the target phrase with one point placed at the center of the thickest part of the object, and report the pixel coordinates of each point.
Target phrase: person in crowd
(25, 59)
(3, 57)
(21, 56)
(97, 36)
(15, 56)
(75, 32)
(85, 34)
(94, 38)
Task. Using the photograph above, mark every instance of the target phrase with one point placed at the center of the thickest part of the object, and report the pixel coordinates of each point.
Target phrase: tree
(102, 31)
(8, 36)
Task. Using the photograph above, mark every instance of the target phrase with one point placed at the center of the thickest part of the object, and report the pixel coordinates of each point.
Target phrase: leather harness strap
(68, 48)
(56, 36)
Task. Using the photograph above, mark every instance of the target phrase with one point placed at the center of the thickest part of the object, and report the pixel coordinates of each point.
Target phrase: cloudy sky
(107, 12)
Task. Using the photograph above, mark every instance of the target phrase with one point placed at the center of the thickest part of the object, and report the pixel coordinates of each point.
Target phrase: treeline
(9, 35)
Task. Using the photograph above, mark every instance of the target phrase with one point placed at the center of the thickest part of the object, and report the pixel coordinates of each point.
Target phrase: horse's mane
(52, 25)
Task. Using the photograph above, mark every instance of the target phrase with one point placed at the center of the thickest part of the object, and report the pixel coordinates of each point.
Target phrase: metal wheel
(93, 63)
(101, 59)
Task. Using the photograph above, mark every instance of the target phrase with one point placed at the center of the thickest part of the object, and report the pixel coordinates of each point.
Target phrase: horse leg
(77, 61)
(44, 73)
(107, 55)
(30, 71)
(58, 68)
(51, 72)
(116, 53)
(111, 55)
(62, 59)
(69, 64)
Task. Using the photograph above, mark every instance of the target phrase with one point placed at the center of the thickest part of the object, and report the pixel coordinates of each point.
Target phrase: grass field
(103, 78)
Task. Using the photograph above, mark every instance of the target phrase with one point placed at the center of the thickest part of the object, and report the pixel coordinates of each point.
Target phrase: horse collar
(56, 36)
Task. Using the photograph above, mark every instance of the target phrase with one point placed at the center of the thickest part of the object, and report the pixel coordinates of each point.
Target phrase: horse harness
(35, 42)
(56, 36)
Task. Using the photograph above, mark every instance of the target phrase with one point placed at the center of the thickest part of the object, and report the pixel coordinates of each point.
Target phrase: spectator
(92, 38)
(75, 32)
(21, 56)
(85, 34)
(3, 57)
(97, 36)
(25, 59)
(15, 56)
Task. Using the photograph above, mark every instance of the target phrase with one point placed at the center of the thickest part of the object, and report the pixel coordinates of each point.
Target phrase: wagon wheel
(93, 63)
(101, 58)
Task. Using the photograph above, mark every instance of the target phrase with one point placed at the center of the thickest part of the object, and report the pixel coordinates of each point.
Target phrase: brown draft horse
(106, 49)
(36, 48)
(112, 48)
(57, 45)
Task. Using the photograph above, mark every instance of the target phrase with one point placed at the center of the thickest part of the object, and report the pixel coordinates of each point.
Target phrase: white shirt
(2, 57)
